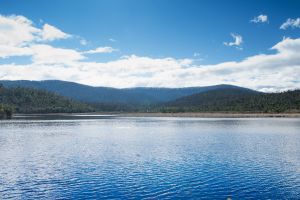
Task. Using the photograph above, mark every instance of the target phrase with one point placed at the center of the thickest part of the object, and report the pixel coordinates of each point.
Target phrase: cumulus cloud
(46, 54)
(8, 51)
(16, 30)
(101, 50)
(18, 35)
(260, 19)
(238, 40)
(293, 23)
(50, 33)
(265, 72)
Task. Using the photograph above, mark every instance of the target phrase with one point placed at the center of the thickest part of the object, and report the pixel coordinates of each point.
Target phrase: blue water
(150, 158)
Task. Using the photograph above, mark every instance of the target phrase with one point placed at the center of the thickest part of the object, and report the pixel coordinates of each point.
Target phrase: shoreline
(214, 115)
(185, 114)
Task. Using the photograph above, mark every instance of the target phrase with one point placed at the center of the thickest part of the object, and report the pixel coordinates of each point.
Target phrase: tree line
(26, 100)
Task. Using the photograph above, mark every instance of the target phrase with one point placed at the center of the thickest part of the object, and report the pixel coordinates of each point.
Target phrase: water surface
(146, 158)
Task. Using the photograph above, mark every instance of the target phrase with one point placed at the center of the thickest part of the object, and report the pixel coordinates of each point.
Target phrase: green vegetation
(25, 100)
(221, 98)
(5, 112)
(236, 100)
(112, 97)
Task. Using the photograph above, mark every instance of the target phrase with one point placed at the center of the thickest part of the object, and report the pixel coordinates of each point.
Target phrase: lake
(149, 158)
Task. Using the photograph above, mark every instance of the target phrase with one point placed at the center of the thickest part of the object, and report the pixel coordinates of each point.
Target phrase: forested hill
(25, 100)
(132, 96)
(236, 100)
(219, 98)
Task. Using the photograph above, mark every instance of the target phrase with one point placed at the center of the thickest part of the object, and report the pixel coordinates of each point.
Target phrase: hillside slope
(25, 100)
(236, 100)
(108, 95)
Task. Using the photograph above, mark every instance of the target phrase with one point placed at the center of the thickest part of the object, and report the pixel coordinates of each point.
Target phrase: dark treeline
(235, 100)
(220, 100)
(112, 96)
(25, 100)
(5, 112)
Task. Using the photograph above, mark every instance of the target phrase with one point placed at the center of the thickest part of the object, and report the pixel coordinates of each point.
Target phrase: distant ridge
(62, 96)
(28, 100)
(236, 100)
(222, 96)
(89, 94)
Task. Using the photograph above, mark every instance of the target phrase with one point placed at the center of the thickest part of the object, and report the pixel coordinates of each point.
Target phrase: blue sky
(192, 34)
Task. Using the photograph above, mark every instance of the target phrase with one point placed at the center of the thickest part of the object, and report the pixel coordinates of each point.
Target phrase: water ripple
(150, 158)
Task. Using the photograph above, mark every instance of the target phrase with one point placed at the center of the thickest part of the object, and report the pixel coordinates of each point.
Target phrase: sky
(153, 43)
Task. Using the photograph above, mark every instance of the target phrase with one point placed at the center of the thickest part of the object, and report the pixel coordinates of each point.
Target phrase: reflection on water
(151, 158)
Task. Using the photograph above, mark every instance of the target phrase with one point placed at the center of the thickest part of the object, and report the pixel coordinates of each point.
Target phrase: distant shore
(185, 114)
(211, 115)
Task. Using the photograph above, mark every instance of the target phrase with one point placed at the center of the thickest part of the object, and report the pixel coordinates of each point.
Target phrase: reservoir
(110, 157)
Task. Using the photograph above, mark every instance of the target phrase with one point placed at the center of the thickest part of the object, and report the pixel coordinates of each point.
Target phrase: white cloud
(265, 72)
(15, 33)
(293, 23)
(8, 51)
(50, 33)
(16, 30)
(19, 37)
(101, 50)
(260, 19)
(288, 46)
(238, 40)
(46, 54)
(18, 34)
(83, 42)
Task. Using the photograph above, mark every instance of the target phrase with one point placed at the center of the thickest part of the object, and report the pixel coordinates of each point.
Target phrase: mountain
(236, 100)
(106, 95)
(26, 100)
(56, 96)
